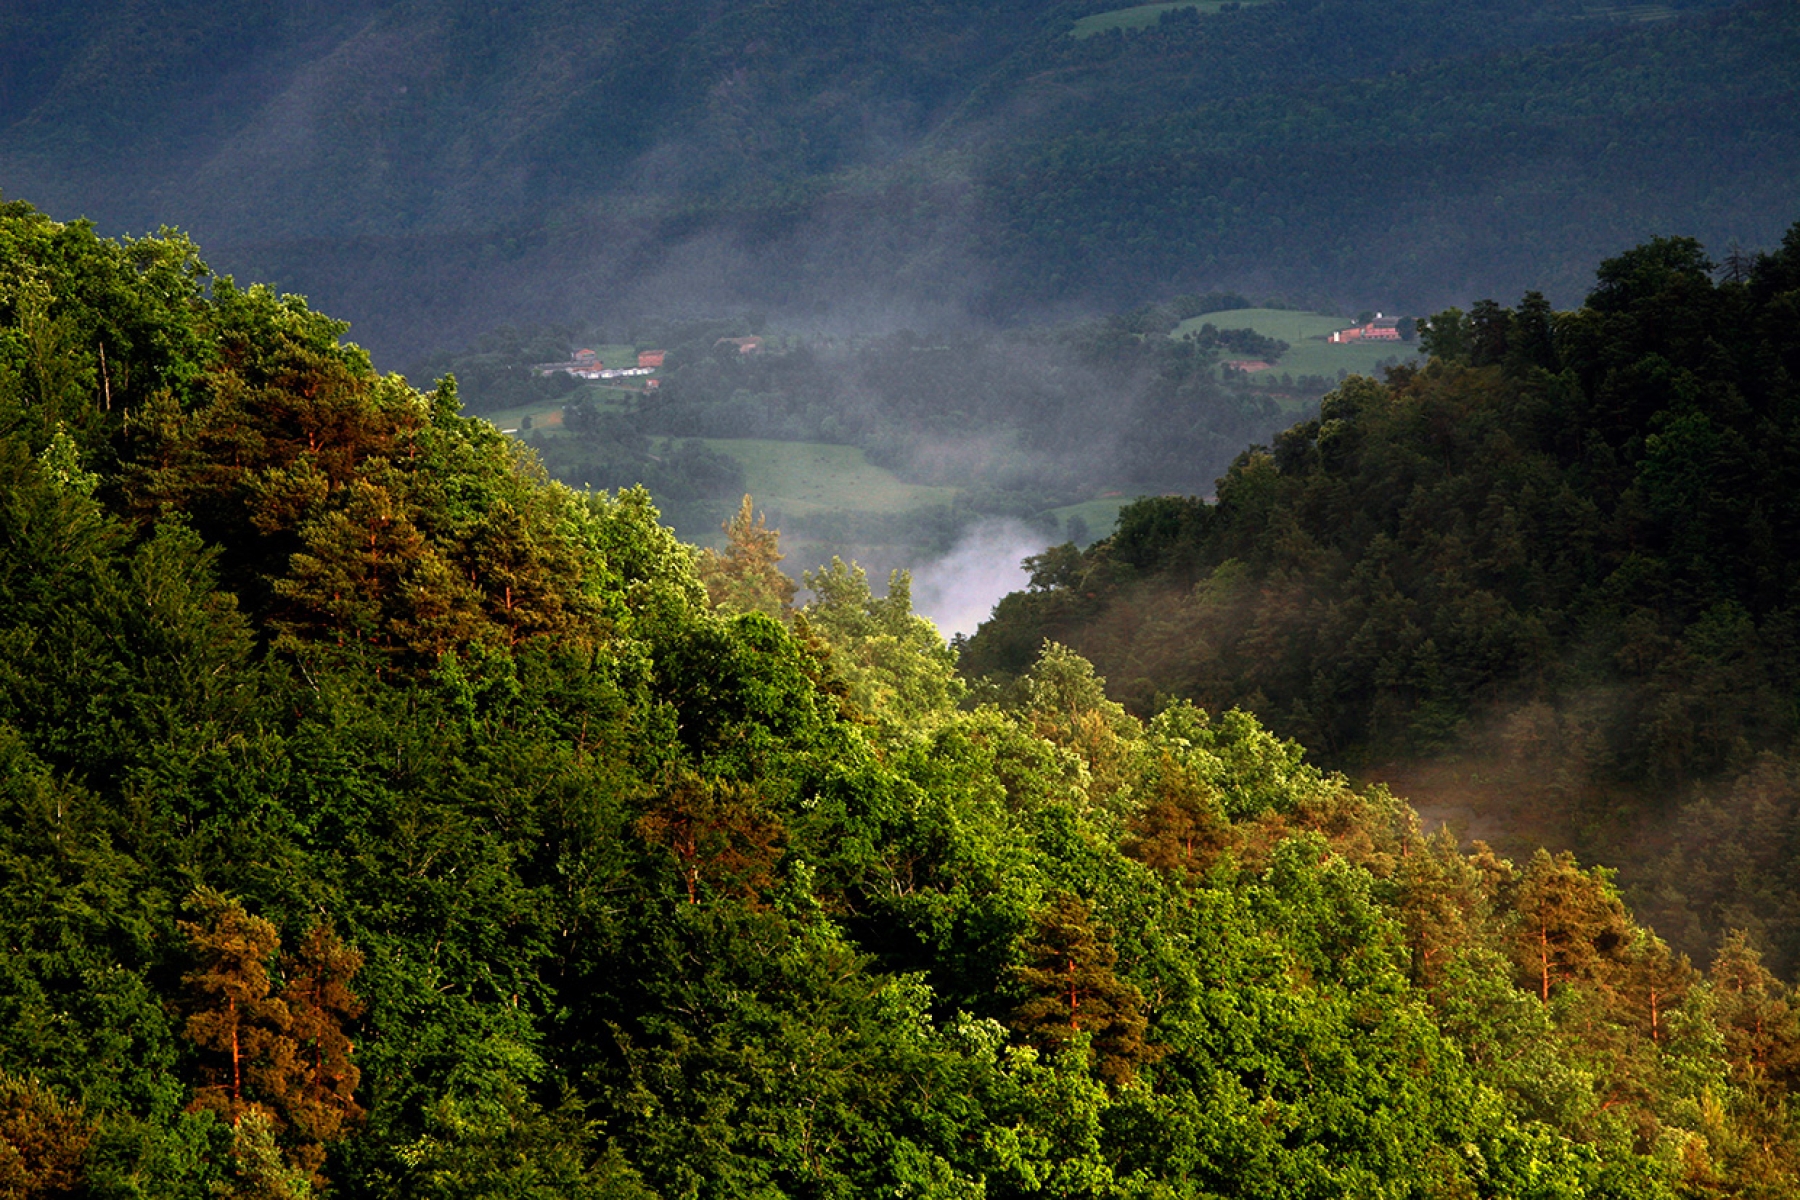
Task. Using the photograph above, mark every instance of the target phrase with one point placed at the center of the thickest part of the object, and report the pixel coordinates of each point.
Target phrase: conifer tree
(1072, 988)
(279, 1063)
(236, 1021)
(1647, 984)
(1568, 922)
(745, 577)
(42, 1141)
(1756, 1013)
(716, 832)
(1182, 827)
(1441, 904)
(319, 1102)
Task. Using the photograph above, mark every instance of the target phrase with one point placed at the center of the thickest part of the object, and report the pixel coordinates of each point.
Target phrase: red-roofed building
(1381, 329)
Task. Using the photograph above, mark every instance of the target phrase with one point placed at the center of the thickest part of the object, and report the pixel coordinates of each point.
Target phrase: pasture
(614, 355)
(1142, 16)
(1309, 352)
(1100, 514)
(808, 478)
(547, 416)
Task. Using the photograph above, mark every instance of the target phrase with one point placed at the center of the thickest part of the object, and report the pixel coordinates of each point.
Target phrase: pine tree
(319, 1102)
(279, 1063)
(235, 1020)
(717, 833)
(1441, 903)
(1567, 922)
(1072, 988)
(1756, 1013)
(745, 578)
(42, 1141)
(1181, 828)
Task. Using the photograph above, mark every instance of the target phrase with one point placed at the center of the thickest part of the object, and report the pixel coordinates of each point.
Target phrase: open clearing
(1305, 333)
(804, 478)
(1141, 16)
(1101, 515)
(547, 416)
(614, 355)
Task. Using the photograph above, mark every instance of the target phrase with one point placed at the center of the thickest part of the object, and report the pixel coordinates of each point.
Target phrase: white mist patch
(959, 590)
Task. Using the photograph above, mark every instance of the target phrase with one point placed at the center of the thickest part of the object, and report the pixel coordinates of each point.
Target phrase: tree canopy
(379, 817)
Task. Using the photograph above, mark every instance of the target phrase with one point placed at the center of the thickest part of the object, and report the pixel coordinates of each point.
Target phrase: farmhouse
(651, 358)
(585, 365)
(1381, 329)
(1248, 365)
(745, 345)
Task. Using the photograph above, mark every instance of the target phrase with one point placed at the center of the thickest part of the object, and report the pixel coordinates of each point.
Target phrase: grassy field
(803, 478)
(615, 356)
(1101, 515)
(1139, 16)
(1306, 333)
(547, 416)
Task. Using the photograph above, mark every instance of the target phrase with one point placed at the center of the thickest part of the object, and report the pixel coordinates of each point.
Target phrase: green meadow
(1307, 335)
(806, 478)
(1101, 515)
(1140, 16)
(546, 416)
(615, 355)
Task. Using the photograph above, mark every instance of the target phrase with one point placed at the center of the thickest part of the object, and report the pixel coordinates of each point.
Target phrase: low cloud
(959, 590)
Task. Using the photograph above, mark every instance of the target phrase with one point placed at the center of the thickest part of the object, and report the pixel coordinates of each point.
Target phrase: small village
(587, 364)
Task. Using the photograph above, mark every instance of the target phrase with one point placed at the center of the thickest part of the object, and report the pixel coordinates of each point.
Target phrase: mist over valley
(635, 599)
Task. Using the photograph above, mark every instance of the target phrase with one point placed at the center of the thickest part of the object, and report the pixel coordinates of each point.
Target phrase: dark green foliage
(1566, 548)
(1591, 503)
(380, 816)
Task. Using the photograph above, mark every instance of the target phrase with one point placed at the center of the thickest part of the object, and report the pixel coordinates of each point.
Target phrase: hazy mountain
(428, 169)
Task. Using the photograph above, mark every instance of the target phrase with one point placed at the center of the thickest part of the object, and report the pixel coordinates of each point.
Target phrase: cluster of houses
(587, 365)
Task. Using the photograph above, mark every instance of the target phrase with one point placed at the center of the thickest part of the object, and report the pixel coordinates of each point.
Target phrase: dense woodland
(430, 169)
(1566, 549)
(381, 818)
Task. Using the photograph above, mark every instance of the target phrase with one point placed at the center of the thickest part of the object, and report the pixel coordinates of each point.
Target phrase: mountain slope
(1562, 555)
(376, 816)
(432, 168)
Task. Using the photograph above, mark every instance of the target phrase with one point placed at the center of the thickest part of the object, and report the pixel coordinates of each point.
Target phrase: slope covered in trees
(1566, 549)
(433, 169)
(383, 818)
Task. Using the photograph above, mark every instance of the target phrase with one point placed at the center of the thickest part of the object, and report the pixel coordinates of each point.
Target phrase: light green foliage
(1252, 770)
(588, 888)
(897, 667)
(745, 578)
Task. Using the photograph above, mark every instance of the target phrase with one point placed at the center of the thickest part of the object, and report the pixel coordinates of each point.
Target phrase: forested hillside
(1563, 551)
(435, 169)
(383, 819)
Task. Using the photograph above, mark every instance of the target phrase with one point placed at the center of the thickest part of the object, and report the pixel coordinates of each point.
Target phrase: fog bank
(958, 591)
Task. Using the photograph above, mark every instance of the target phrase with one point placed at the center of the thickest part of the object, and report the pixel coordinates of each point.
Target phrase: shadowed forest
(432, 170)
(1551, 575)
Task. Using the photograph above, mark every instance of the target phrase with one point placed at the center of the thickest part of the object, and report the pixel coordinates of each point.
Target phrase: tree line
(1564, 549)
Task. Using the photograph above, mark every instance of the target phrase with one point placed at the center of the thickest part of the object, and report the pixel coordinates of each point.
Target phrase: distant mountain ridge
(430, 169)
